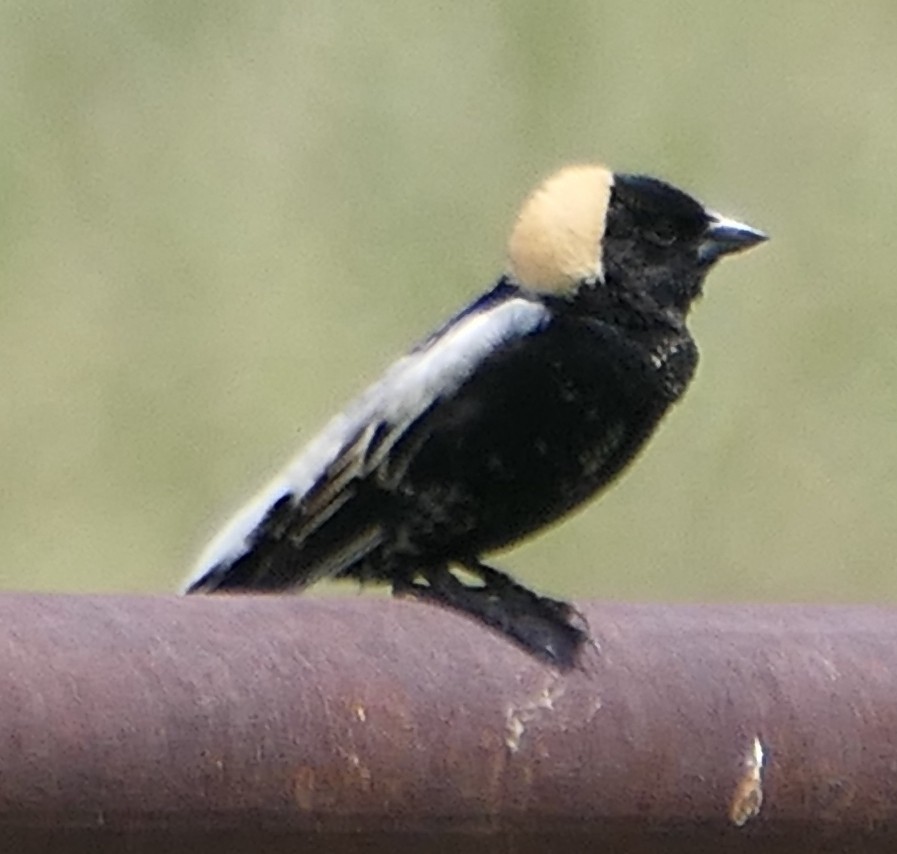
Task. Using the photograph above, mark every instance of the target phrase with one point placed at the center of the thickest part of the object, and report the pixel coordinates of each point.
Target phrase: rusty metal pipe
(234, 724)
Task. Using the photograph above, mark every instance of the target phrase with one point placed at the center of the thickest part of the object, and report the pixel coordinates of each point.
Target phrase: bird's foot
(548, 629)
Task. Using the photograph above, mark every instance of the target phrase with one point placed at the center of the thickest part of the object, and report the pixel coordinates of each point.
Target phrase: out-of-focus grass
(218, 221)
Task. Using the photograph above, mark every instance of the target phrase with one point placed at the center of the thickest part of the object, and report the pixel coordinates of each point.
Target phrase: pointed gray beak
(724, 236)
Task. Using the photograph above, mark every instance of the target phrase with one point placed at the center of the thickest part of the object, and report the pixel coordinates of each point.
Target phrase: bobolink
(519, 409)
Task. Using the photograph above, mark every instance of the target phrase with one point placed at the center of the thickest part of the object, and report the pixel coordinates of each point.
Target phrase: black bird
(520, 408)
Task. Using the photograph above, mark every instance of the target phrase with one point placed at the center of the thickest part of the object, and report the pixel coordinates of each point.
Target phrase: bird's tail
(285, 551)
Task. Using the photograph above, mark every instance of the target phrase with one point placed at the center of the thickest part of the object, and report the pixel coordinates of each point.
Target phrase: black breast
(539, 428)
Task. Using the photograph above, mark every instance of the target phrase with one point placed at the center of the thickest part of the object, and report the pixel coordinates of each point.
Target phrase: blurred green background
(218, 221)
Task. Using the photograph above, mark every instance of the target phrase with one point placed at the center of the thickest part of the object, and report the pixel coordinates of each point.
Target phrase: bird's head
(586, 228)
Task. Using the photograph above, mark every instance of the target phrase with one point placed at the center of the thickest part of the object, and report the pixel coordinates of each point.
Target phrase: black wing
(328, 510)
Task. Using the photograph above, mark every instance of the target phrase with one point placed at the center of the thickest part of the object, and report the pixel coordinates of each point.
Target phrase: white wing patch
(393, 402)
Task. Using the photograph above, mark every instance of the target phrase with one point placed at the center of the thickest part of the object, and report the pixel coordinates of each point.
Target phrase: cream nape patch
(555, 244)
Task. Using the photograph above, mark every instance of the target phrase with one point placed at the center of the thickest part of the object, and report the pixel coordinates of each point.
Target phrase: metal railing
(274, 724)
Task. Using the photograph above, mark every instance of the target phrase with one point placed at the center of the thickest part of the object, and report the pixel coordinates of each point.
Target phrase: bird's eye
(662, 233)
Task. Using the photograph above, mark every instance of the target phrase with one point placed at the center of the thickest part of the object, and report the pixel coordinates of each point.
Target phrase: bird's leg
(541, 627)
(502, 584)
(439, 586)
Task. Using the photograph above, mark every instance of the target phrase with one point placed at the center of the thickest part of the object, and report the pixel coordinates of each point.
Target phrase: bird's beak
(724, 236)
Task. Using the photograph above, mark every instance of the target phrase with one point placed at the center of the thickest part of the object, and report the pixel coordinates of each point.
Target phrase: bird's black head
(589, 232)
(661, 241)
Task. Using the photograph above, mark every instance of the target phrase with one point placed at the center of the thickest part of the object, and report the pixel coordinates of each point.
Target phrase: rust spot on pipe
(304, 788)
(748, 797)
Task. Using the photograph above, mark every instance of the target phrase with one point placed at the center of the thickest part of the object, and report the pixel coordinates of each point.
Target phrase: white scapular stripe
(402, 394)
